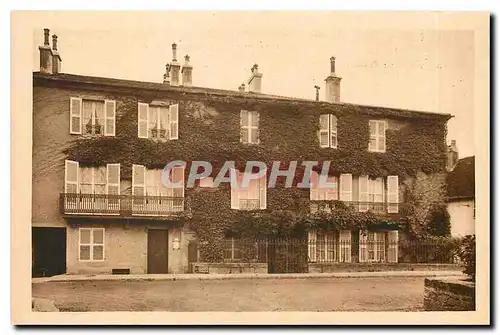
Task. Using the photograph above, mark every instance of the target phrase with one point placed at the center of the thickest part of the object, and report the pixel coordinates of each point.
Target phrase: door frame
(148, 246)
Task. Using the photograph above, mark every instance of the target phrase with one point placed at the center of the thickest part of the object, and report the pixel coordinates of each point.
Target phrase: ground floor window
(91, 244)
(232, 250)
(378, 246)
(339, 246)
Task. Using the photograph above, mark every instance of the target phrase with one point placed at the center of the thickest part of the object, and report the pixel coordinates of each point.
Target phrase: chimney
(175, 67)
(255, 80)
(45, 54)
(317, 92)
(166, 75)
(56, 58)
(242, 87)
(451, 156)
(187, 72)
(332, 93)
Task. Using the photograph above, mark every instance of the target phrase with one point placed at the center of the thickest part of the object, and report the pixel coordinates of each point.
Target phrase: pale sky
(382, 61)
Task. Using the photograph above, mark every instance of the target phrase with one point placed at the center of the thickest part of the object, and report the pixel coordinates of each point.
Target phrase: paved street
(308, 294)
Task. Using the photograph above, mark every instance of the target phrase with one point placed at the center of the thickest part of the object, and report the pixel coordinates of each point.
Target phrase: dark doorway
(157, 251)
(48, 251)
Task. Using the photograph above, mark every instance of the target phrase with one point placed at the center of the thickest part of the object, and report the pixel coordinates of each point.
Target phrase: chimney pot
(47, 54)
(54, 42)
(332, 65)
(175, 67)
(46, 33)
(317, 92)
(255, 80)
(332, 91)
(187, 72)
(174, 52)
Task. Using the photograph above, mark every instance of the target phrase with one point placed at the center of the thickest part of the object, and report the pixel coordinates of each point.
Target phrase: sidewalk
(189, 276)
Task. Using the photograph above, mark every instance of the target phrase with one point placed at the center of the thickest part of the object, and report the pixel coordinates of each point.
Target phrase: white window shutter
(392, 194)
(393, 240)
(324, 138)
(263, 192)
(71, 177)
(110, 118)
(113, 179)
(142, 120)
(381, 136)
(244, 126)
(311, 242)
(174, 121)
(373, 125)
(332, 192)
(235, 201)
(138, 180)
(333, 131)
(345, 246)
(346, 187)
(363, 248)
(363, 193)
(75, 116)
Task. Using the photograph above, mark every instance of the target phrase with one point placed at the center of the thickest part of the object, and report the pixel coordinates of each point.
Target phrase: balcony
(122, 206)
(381, 209)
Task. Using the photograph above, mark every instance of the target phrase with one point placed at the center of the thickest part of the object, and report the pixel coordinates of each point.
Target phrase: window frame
(168, 110)
(261, 191)
(331, 131)
(377, 135)
(250, 128)
(91, 244)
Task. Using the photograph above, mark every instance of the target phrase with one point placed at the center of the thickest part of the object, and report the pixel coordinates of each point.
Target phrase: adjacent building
(460, 184)
(99, 146)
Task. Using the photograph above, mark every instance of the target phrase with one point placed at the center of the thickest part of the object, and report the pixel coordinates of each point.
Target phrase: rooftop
(460, 182)
(66, 79)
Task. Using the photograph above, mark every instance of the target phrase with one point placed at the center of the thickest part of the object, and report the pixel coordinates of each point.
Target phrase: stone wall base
(226, 268)
(377, 267)
(449, 294)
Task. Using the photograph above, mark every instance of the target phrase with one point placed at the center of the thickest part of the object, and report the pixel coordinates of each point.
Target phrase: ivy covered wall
(209, 130)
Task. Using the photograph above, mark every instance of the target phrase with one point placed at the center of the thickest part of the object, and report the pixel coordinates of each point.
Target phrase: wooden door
(157, 251)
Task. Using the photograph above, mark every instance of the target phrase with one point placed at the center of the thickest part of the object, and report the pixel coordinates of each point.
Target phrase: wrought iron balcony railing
(121, 205)
(380, 208)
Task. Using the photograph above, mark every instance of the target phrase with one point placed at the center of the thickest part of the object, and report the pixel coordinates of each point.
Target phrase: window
(92, 117)
(92, 188)
(324, 193)
(232, 249)
(328, 131)
(158, 122)
(377, 136)
(371, 194)
(251, 197)
(378, 246)
(249, 127)
(326, 246)
(92, 179)
(91, 244)
(150, 192)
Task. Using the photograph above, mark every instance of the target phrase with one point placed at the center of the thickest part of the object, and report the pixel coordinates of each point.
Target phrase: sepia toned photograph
(241, 162)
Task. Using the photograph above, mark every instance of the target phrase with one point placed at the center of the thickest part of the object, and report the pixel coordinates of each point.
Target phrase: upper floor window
(91, 179)
(158, 122)
(253, 196)
(150, 182)
(93, 117)
(377, 136)
(249, 127)
(328, 131)
(326, 192)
